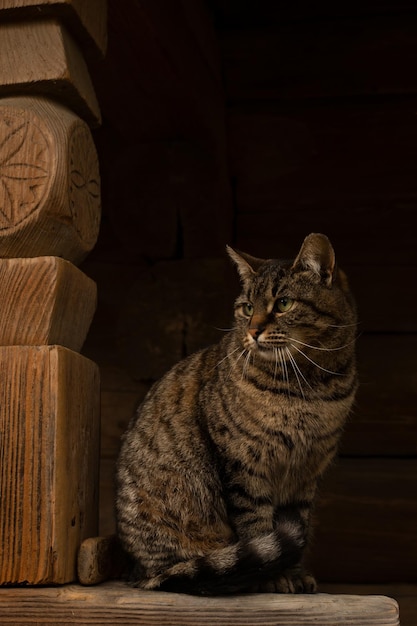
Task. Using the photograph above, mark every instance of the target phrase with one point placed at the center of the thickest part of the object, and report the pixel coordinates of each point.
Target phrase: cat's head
(292, 307)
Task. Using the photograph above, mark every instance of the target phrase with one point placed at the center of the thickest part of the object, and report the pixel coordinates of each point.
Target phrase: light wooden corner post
(49, 221)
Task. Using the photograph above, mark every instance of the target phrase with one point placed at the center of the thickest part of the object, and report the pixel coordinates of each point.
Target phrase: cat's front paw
(293, 581)
(296, 581)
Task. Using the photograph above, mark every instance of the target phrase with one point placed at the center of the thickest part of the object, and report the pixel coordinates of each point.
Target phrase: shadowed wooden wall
(223, 123)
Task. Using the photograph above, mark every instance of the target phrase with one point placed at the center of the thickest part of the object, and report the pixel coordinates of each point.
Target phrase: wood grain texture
(107, 521)
(366, 522)
(384, 418)
(404, 594)
(184, 319)
(353, 56)
(172, 158)
(181, 90)
(113, 602)
(49, 181)
(180, 199)
(85, 20)
(41, 57)
(98, 559)
(49, 445)
(117, 407)
(385, 279)
(347, 171)
(45, 301)
(241, 14)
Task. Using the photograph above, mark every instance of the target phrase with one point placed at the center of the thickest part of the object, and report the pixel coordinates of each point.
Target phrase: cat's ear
(317, 255)
(246, 265)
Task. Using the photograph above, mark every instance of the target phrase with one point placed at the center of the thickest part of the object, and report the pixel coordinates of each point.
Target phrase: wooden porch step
(115, 603)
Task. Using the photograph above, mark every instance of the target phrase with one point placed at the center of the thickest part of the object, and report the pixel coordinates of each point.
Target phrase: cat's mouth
(268, 346)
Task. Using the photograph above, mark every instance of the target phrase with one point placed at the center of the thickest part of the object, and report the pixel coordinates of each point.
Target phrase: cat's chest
(295, 443)
(290, 447)
(296, 466)
(281, 444)
(293, 430)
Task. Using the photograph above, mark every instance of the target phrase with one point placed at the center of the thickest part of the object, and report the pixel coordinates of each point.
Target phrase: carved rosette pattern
(25, 165)
(84, 184)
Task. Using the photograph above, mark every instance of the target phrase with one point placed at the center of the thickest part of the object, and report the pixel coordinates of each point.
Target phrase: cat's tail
(236, 567)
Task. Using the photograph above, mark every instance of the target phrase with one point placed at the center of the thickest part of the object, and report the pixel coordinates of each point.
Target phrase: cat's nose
(257, 326)
(255, 331)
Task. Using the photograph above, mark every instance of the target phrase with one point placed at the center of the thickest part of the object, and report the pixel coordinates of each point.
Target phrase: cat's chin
(267, 355)
(266, 352)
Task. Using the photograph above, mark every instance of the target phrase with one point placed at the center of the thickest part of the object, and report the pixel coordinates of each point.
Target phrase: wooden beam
(45, 301)
(384, 419)
(354, 56)
(366, 521)
(85, 20)
(404, 593)
(177, 92)
(240, 14)
(49, 445)
(187, 320)
(346, 170)
(181, 205)
(113, 603)
(40, 57)
(49, 181)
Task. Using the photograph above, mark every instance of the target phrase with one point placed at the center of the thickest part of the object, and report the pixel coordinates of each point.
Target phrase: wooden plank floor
(114, 603)
(404, 594)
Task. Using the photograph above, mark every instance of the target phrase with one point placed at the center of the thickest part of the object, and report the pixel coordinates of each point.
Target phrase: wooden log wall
(254, 126)
(49, 221)
(167, 199)
(323, 137)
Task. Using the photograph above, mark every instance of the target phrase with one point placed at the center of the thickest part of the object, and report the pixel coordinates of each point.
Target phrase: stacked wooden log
(49, 221)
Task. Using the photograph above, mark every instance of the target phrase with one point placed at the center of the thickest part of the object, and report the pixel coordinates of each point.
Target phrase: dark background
(253, 124)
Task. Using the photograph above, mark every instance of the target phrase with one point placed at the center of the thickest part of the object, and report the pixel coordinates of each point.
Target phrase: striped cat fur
(219, 468)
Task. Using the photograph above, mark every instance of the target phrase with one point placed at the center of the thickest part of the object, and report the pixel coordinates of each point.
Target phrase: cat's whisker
(308, 345)
(234, 363)
(246, 364)
(284, 369)
(295, 368)
(314, 362)
(284, 364)
(276, 363)
(229, 354)
(225, 330)
(240, 356)
(237, 360)
(295, 364)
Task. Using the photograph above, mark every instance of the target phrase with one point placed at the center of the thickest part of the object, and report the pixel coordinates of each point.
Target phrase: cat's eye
(247, 309)
(284, 304)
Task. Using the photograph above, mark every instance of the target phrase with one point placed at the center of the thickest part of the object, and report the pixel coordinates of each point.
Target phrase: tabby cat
(218, 469)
